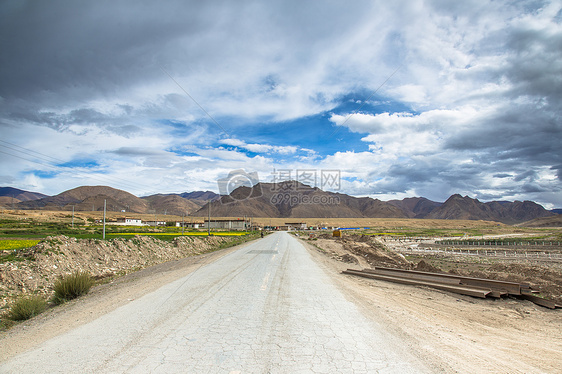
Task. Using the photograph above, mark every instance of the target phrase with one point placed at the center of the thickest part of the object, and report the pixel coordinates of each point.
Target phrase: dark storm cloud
(558, 169)
(535, 66)
(532, 188)
(87, 48)
(521, 132)
(529, 174)
(480, 80)
(527, 125)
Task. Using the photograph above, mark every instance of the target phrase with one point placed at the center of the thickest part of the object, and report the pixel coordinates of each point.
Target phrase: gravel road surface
(265, 308)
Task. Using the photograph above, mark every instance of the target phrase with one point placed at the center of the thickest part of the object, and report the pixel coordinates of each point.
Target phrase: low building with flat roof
(127, 221)
(227, 224)
(296, 225)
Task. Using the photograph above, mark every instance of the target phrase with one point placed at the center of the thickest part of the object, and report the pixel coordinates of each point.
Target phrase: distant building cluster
(232, 224)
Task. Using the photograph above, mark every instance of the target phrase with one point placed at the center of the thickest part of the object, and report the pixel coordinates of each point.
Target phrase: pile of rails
(477, 287)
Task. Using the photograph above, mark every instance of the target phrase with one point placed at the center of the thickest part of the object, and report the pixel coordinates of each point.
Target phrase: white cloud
(473, 80)
(410, 93)
(261, 148)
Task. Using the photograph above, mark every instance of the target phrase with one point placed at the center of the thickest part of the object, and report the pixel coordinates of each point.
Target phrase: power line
(195, 101)
(62, 169)
(47, 161)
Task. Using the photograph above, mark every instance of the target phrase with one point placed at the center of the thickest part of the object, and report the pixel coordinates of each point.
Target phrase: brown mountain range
(296, 200)
(10, 193)
(300, 201)
(459, 207)
(88, 198)
(171, 204)
(289, 200)
(416, 207)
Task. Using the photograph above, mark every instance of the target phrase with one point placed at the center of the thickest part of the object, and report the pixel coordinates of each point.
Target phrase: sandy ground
(451, 333)
(456, 333)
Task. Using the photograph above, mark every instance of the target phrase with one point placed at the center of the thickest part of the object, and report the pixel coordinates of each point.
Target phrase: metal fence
(488, 253)
(502, 243)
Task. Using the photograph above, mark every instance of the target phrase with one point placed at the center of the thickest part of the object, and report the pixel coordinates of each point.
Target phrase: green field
(17, 230)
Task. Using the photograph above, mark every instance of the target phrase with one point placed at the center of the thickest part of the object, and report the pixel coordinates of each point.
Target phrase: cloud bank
(412, 98)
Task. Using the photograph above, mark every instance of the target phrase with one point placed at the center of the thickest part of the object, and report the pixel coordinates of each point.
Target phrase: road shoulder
(455, 333)
(101, 300)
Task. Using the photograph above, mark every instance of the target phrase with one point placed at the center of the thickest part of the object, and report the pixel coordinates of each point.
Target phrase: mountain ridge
(466, 207)
(20, 195)
(289, 200)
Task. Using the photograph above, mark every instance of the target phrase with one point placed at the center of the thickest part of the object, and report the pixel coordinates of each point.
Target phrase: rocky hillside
(285, 200)
(301, 201)
(61, 255)
(20, 195)
(416, 207)
(553, 221)
(296, 201)
(171, 204)
(91, 198)
(459, 207)
(200, 197)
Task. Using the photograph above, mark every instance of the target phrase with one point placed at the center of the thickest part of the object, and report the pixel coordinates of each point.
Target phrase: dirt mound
(549, 281)
(41, 265)
(363, 250)
(545, 279)
(424, 266)
(373, 251)
(349, 259)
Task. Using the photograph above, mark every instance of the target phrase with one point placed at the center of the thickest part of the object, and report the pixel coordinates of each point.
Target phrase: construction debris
(476, 287)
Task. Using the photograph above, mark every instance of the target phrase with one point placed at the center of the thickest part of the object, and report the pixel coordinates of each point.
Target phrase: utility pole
(73, 216)
(104, 209)
(209, 219)
(182, 224)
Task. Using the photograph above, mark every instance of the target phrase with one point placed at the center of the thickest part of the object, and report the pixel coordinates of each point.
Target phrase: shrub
(27, 307)
(72, 286)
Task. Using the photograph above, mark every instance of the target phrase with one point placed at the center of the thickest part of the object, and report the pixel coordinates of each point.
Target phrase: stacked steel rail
(477, 287)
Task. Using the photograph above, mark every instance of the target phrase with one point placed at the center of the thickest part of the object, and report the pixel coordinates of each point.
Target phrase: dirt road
(278, 305)
(265, 308)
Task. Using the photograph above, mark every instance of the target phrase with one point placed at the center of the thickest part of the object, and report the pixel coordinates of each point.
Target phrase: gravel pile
(57, 256)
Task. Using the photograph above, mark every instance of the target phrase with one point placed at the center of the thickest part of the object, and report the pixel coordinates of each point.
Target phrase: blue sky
(409, 98)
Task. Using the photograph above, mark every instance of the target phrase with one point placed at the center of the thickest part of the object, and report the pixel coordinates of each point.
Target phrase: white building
(125, 221)
(192, 225)
(155, 223)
